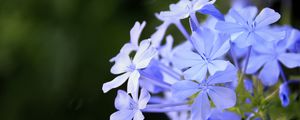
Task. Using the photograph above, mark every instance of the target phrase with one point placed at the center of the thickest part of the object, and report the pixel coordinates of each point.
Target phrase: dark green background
(54, 54)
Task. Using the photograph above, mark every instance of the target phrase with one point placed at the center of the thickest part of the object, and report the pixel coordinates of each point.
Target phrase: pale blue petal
(121, 64)
(270, 73)
(184, 89)
(210, 9)
(201, 107)
(138, 115)
(217, 65)
(228, 27)
(290, 60)
(244, 40)
(222, 97)
(269, 34)
(197, 72)
(229, 75)
(237, 16)
(118, 81)
(158, 36)
(143, 99)
(186, 59)
(256, 62)
(248, 13)
(128, 48)
(136, 31)
(266, 17)
(123, 100)
(144, 45)
(122, 115)
(203, 40)
(145, 58)
(221, 47)
(133, 82)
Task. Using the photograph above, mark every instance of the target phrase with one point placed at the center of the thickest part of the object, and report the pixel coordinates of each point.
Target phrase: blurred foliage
(54, 54)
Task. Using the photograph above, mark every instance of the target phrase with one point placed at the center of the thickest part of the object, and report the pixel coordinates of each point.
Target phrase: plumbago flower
(130, 68)
(269, 55)
(221, 96)
(209, 47)
(130, 108)
(247, 29)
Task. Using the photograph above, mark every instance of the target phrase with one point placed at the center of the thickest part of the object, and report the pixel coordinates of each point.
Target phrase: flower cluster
(212, 73)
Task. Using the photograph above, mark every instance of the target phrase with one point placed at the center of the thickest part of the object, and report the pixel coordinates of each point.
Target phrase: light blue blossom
(222, 97)
(268, 56)
(135, 33)
(284, 93)
(209, 47)
(247, 29)
(129, 108)
(130, 68)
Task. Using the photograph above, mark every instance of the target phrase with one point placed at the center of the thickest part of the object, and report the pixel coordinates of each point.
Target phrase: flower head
(247, 29)
(130, 68)
(268, 56)
(221, 96)
(209, 47)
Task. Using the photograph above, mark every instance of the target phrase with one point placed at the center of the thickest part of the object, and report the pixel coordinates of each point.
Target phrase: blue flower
(209, 47)
(135, 33)
(247, 29)
(129, 108)
(268, 56)
(222, 97)
(130, 68)
(284, 93)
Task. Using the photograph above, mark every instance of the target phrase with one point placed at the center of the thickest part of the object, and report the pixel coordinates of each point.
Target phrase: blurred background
(54, 53)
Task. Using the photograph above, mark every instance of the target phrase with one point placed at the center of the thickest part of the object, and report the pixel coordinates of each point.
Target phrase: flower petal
(217, 65)
(118, 81)
(123, 100)
(266, 17)
(133, 82)
(256, 62)
(290, 60)
(184, 89)
(270, 73)
(186, 59)
(197, 72)
(122, 115)
(144, 98)
(136, 31)
(229, 27)
(229, 75)
(222, 97)
(201, 107)
(221, 47)
(138, 115)
(121, 64)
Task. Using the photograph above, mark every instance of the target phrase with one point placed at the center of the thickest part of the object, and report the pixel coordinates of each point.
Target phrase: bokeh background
(54, 53)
